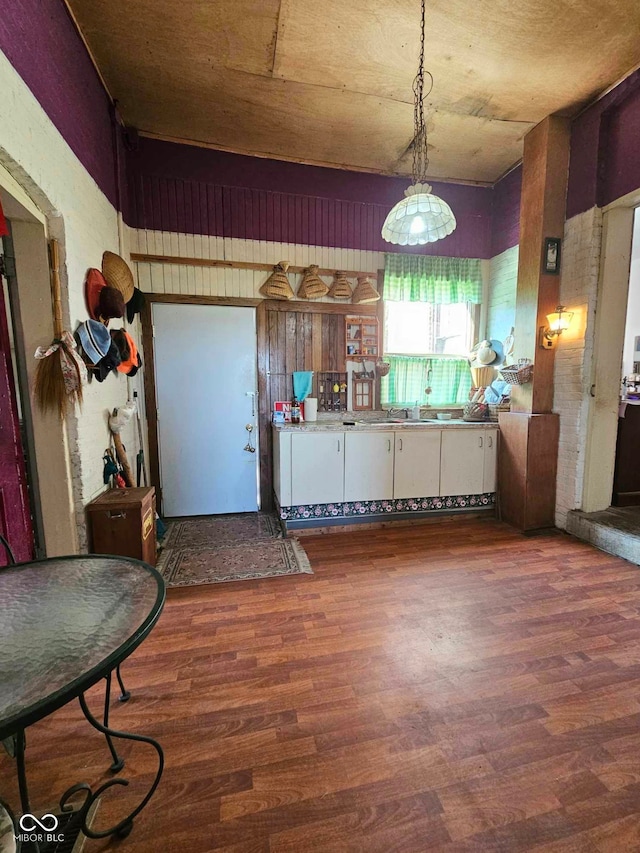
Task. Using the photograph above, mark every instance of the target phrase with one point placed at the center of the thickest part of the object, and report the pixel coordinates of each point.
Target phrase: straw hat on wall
(117, 273)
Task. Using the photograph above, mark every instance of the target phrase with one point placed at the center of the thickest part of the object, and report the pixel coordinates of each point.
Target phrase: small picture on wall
(551, 256)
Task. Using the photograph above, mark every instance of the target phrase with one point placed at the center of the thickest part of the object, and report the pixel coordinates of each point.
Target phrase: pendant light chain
(420, 148)
(421, 217)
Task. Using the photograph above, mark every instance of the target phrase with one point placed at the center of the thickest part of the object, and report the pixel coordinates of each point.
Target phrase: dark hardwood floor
(449, 687)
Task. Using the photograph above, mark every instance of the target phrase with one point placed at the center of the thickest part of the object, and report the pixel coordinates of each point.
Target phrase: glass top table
(65, 624)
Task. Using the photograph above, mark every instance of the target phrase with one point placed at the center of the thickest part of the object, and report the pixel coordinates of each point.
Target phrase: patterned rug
(222, 548)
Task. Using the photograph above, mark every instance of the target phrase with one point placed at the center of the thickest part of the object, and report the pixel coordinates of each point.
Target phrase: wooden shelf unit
(362, 338)
(328, 399)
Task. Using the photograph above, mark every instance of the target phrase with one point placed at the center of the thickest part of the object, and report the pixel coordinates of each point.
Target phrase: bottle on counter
(295, 410)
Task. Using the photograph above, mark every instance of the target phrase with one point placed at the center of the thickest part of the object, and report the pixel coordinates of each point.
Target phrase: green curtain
(422, 278)
(448, 378)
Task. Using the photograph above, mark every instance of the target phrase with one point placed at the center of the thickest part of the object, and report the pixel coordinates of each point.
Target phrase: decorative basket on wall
(277, 285)
(383, 368)
(340, 289)
(518, 374)
(312, 286)
(365, 291)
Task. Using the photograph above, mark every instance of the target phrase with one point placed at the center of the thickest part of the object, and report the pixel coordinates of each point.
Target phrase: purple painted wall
(198, 190)
(605, 154)
(41, 42)
(505, 219)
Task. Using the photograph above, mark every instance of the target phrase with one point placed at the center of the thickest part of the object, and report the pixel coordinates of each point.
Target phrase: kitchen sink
(388, 421)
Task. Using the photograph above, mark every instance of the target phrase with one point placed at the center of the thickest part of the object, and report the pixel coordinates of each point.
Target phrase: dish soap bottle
(295, 410)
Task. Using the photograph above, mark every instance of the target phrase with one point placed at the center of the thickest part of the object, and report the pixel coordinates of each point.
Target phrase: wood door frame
(608, 345)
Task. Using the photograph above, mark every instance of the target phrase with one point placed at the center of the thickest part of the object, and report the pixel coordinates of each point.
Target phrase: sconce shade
(559, 320)
(419, 218)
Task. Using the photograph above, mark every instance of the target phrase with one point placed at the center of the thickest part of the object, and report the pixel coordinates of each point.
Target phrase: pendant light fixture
(420, 217)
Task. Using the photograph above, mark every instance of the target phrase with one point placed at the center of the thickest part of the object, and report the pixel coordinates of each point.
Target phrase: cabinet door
(417, 464)
(462, 462)
(368, 466)
(490, 460)
(317, 467)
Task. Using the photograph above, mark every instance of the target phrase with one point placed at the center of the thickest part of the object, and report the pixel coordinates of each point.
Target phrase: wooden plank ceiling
(330, 82)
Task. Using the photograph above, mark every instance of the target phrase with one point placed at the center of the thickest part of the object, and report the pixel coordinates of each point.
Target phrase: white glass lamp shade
(419, 218)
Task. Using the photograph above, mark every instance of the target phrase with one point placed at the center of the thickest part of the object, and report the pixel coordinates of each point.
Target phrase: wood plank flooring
(452, 687)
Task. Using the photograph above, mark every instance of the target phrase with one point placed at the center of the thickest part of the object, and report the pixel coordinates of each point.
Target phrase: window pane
(415, 328)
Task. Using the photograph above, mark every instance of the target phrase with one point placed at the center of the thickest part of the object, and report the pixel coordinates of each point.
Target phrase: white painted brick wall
(573, 360)
(503, 280)
(35, 154)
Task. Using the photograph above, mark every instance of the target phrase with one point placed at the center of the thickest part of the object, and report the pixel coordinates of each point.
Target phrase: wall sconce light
(558, 322)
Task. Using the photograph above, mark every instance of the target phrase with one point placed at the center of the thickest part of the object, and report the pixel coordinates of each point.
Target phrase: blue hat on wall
(95, 340)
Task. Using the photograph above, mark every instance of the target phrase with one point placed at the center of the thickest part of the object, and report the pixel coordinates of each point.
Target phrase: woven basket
(365, 291)
(496, 408)
(518, 374)
(382, 368)
(340, 289)
(117, 274)
(312, 286)
(475, 412)
(277, 285)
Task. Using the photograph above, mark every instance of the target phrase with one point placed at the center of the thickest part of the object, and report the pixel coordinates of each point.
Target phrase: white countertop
(338, 425)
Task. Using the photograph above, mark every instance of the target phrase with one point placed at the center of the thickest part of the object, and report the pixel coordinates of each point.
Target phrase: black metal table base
(68, 802)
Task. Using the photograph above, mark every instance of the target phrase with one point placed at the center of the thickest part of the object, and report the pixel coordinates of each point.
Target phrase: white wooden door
(417, 463)
(462, 462)
(490, 460)
(206, 379)
(317, 465)
(368, 466)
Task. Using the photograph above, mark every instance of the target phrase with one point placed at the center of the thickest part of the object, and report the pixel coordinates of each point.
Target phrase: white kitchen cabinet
(462, 462)
(317, 466)
(368, 468)
(468, 461)
(417, 463)
(490, 460)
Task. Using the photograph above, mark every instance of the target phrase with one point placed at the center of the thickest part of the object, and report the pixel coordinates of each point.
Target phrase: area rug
(224, 548)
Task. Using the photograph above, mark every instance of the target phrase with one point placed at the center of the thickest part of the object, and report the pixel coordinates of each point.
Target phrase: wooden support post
(529, 433)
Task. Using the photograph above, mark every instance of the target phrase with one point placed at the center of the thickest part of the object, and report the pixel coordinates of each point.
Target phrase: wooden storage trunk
(123, 521)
